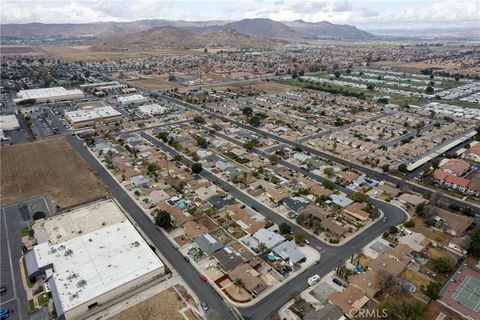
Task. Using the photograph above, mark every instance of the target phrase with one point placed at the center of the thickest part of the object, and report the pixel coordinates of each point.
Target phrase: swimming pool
(181, 204)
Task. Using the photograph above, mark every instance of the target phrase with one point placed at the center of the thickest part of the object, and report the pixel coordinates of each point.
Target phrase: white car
(208, 266)
(313, 279)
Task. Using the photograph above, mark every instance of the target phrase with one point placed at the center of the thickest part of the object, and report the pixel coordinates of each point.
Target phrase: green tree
(299, 238)
(163, 219)
(328, 184)
(433, 290)
(238, 283)
(163, 136)
(197, 168)
(386, 310)
(201, 142)
(359, 196)
(247, 111)
(370, 86)
(429, 90)
(443, 265)
(474, 246)
(254, 121)
(337, 74)
(250, 144)
(328, 171)
(409, 224)
(412, 311)
(284, 228)
(198, 119)
(402, 168)
(39, 215)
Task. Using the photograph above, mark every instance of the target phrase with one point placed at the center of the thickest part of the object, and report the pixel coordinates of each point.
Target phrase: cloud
(366, 13)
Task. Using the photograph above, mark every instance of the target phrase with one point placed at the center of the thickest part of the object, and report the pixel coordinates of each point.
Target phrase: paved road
(218, 308)
(331, 255)
(370, 172)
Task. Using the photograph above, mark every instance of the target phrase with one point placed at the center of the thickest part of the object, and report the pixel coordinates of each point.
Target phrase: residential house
(289, 251)
(268, 238)
(350, 300)
(250, 278)
(355, 212)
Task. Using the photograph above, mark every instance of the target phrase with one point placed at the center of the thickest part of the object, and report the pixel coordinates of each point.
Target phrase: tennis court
(468, 293)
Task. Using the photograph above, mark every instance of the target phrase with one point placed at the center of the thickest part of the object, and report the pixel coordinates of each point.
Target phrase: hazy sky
(367, 14)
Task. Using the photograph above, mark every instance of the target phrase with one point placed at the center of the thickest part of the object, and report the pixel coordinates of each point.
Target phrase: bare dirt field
(83, 53)
(17, 50)
(435, 310)
(49, 166)
(164, 305)
(267, 86)
(155, 83)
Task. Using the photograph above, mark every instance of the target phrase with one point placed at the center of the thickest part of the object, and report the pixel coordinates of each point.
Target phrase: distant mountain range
(257, 28)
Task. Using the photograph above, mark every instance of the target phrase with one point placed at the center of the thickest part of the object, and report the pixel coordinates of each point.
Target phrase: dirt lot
(430, 233)
(83, 53)
(416, 278)
(436, 309)
(16, 50)
(267, 86)
(155, 83)
(49, 166)
(164, 305)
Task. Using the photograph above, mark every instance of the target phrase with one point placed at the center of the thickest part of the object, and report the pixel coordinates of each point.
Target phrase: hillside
(176, 38)
(264, 28)
(325, 29)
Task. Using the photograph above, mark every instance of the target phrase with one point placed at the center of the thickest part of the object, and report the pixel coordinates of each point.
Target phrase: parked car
(313, 279)
(204, 306)
(186, 259)
(208, 266)
(3, 289)
(384, 219)
(204, 279)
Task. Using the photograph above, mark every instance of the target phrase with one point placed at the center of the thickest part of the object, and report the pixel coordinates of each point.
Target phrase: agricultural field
(84, 53)
(49, 166)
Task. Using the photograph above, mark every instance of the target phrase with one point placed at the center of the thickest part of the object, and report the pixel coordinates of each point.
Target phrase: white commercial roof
(92, 114)
(95, 263)
(131, 98)
(9, 122)
(152, 109)
(47, 93)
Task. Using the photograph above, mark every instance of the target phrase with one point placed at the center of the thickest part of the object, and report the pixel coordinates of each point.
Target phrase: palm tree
(238, 283)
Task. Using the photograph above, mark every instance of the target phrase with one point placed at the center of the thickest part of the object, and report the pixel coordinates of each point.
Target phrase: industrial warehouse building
(132, 99)
(90, 116)
(49, 94)
(90, 256)
(8, 123)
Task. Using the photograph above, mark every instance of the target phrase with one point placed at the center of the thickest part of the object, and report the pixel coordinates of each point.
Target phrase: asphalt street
(218, 308)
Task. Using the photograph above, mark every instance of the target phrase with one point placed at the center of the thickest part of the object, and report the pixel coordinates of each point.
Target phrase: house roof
(288, 250)
(459, 181)
(455, 166)
(313, 210)
(385, 263)
(402, 252)
(193, 229)
(456, 222)
(368, 282)
(348, 176)
(295, 203)
(269, 238)
(208, 244)
(228, 259)
(349, 299)
(331, 226)
(356, 210)
(249, 277)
